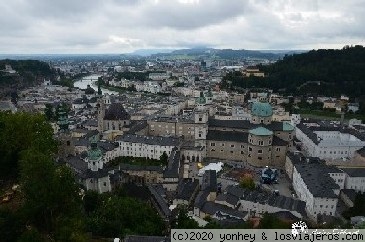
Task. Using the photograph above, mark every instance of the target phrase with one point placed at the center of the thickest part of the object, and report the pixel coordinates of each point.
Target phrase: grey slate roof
(285, 215)
(235, 124)
(244, 124)
(107, 146)
(151, 140)
(212, 208)
(354, 172)
(210, 181)
(76, 163)
(127, 167)
(201, 198)
(235, 193)
(161, 203)
(316, 177)
(228, 198)
(137, 126)
(276, 141)
(95, 174)
(350, 193)
(116, 111)
(361, 152)
(172, 170)
(81, 142)
(217, 135)
(90, 122)
(186, 189)
(326, 126)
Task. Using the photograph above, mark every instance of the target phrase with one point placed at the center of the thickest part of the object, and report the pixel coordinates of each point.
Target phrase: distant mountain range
(199, 53)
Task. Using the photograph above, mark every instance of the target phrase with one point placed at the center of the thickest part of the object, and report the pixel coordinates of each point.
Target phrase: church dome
(94, 153)
(261, 109)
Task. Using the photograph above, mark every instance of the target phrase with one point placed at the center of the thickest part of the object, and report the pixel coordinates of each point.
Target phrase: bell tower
(66, 147)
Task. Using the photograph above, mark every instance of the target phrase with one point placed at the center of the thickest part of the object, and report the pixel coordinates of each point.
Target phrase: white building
(316, 184)
(258, 203)
(355, 179)
(159, 76)
(329, 141)
(353, 107)
(146, 146)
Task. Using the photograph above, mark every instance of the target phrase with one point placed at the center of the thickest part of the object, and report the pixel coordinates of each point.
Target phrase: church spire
(63, 121)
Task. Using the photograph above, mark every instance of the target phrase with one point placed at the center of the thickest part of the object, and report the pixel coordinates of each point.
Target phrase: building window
(242, 146)
(232, 146)
(104, 184)
(222, 144)
(249, 149)
(212, 144)
(242, 152)
(212, 150)
(231, 151)
(200, 119)
(277, 149)
(259, 151)
(260, 158)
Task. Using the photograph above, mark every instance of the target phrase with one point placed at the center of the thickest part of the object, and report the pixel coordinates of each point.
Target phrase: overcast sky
(121, 26)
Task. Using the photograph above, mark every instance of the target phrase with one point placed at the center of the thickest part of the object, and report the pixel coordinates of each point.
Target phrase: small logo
(299, 227)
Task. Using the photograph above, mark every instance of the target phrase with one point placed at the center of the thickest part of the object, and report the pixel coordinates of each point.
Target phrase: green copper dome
(260, 131)
(261, 109)
(94, 153)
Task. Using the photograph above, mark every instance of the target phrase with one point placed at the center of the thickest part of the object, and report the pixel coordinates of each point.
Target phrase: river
(91, 80)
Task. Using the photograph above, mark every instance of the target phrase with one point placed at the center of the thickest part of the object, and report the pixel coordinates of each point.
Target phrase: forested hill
(25, 73)
(338, 71)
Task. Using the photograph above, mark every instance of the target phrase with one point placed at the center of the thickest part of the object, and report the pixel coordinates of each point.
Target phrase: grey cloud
(98, 26)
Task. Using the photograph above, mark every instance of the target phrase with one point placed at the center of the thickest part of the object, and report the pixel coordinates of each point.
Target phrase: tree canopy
(338, 71)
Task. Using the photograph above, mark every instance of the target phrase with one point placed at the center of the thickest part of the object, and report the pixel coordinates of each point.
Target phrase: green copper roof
(201, 99)
(94, 139)
(260, 131)
(287, 126)
(94, 154)
(63, 119)
(261, 109)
